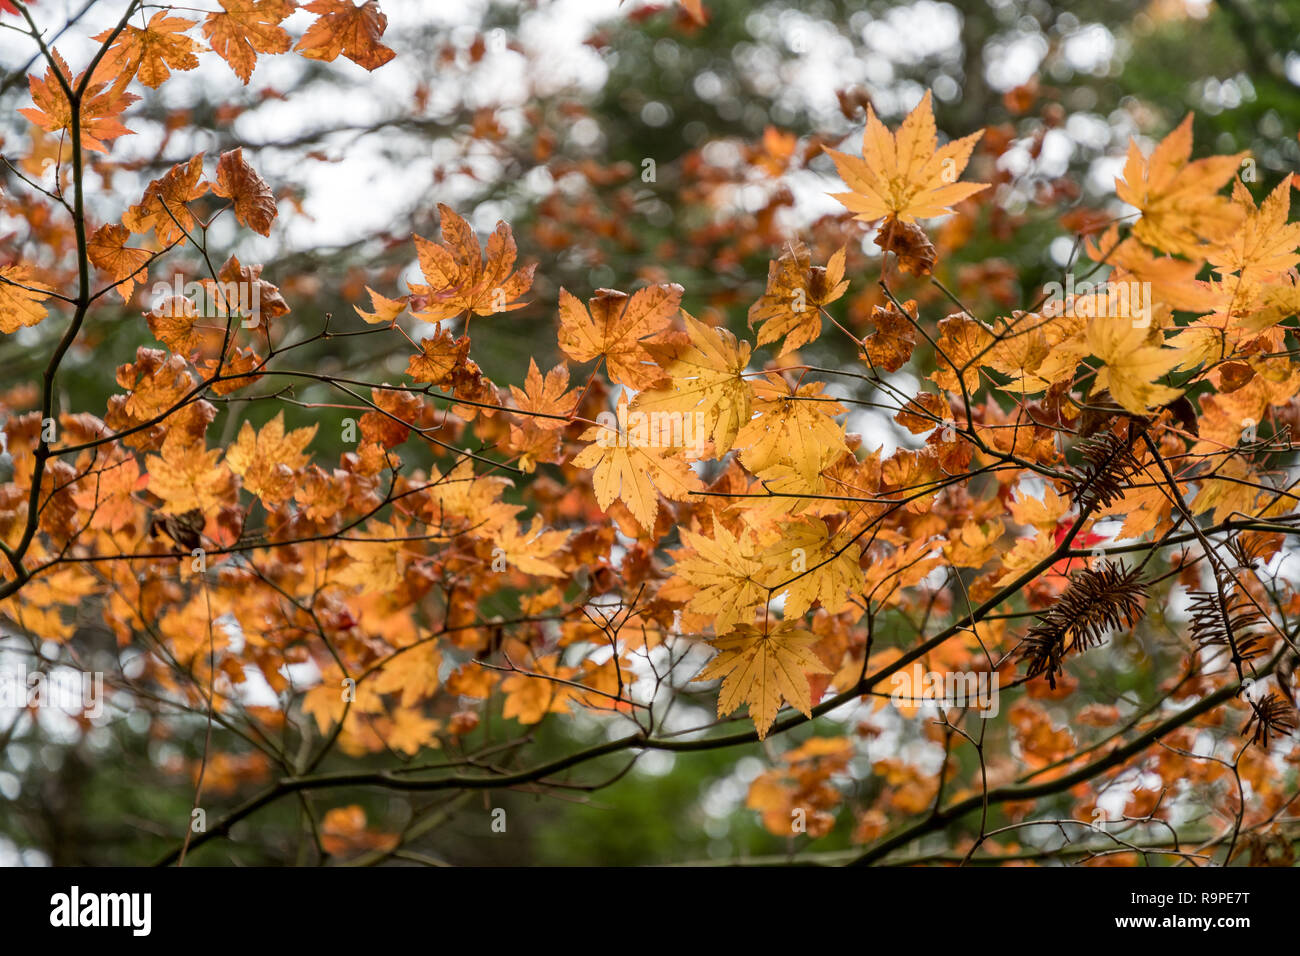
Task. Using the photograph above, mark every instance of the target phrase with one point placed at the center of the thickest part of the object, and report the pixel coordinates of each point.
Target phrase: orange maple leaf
(124, 264)
(153, 52)
(459, 279)
(615, 325)
(352, 31)
(101, 105)
(245, 29)
(238, 181)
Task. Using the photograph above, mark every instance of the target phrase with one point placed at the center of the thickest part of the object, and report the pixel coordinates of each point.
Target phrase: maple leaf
(549, 396)
(725, 575)
(163, 208)
(891, 345)
(706, 380)
(763, 668)
(343, 28)
(175, 322)
(615, 325)
(962, 340)
(459, 279)
(151, 52)
(905, 176)
(377, 563)
(1180, 210)
(21, 296)
(439, 358)
(634, 473)
(253, 199)
(185, 477)
(386, 310)
(108, 250)
(1131, 365)
(796, 292)
(810, 565)
(246, 28)
(101, 105)
(269, 459)
(531, 550)
(530, 698)
(1265, 243)
(793, 425)
(413, 672)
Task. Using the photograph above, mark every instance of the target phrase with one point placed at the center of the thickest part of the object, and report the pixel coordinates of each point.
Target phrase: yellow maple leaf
(529, 698)
(726, 576)
(906, 176)
(793, 425)
(763, 668)
(1265, 243)
(707, 381)
(631, 471)
(809, 565)
(186, 476)
(20, 299)
(377, 563)
(1131, 364)
(530, 551)
(386, 310)
(1177, 198)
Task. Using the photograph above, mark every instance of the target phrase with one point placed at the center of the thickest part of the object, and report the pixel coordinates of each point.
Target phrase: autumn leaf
(347, 29)
(246, 28)
(186, 477)
(724, 574)
(706, 382)
(152, 52)
(438, 358)
(101, 107)
(529, 698)
(905, 176)
(1265, 243)
(21, 295)
(1177, 196)
(546, 396)
(891, 344)
(793, 425)
(634, 473)
(108, 250)
(269, 459)
(460, 281)
(796, 292)
(376, 558)
(810, 565)
(163, 207)
(238, 181)
(764, 668)
(1131, 365)
(532, 551)
(615, 325)
(385, 311)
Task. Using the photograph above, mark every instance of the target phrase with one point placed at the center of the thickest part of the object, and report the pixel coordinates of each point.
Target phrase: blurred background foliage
(624, 144)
